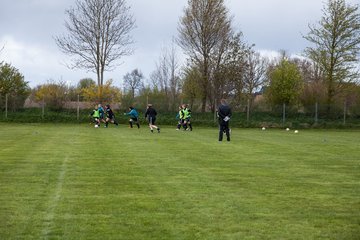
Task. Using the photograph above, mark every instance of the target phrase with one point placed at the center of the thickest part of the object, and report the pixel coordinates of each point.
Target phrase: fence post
(78, 107)
(6, 106)
(248, 111)
(316, 112)
(43, 108)
(284, 113)
(214, 107)
(344, 122)
(215, 115)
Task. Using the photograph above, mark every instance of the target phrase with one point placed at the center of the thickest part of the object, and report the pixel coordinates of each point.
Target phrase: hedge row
(259, 119)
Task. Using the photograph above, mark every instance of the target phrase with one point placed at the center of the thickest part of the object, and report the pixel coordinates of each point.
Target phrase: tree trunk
(330, 96)
(205, 86)
(329, 101)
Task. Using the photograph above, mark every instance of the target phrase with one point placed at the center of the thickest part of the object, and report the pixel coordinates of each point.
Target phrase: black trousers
(224, 127)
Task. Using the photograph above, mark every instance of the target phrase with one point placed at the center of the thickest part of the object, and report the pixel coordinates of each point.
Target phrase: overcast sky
(27, 28)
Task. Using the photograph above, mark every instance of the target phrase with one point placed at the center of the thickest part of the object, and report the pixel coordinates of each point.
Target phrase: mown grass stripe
(54, 200)
(78, 182)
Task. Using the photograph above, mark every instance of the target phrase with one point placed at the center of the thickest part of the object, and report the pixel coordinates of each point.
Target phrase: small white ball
(263, 128)
(287, 129)
(96, 125)
(296, 131)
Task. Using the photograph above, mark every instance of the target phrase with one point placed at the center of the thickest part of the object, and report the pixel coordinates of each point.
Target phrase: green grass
(78, 182)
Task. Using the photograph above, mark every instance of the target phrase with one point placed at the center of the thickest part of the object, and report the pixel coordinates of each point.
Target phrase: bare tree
(174, 80)
(219, 67)
(160, 76)
(202, 31)
(98, 35)
(133, 81)
(229, 69)
(254, 74)
(167, 76)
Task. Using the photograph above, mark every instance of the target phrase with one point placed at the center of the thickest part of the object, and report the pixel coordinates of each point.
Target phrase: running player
(180, 116)
(110, 116)
(187, 117)
(134, 117)
(95, 116)
(101, 112)
(150, 115)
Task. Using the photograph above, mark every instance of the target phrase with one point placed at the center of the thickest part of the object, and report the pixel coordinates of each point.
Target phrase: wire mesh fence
(341, 114)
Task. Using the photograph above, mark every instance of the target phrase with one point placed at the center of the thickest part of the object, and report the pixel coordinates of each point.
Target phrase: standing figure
(187, 116)
(95, 116)
(180, 117)
(134, 117)
(150, 115)
(224, 114)
(110, 116)
(101, 113)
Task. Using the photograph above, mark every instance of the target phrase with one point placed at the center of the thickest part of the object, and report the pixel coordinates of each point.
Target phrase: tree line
(219, 62)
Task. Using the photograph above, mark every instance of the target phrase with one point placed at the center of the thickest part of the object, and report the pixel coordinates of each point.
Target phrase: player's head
(131, 108)
(107, 105)
(149, 105)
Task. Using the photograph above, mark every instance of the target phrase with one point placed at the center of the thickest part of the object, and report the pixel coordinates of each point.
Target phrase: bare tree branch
(203, 30)
(98, 35)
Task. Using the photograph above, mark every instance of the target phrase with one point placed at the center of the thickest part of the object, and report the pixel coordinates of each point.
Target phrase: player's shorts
(152, 120)
(187, 120)
(111, 118)
(134, 119)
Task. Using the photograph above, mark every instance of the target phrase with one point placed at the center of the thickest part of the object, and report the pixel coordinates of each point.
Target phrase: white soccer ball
(263, 128)
(296, 131)
(287, 129)
(96, 125)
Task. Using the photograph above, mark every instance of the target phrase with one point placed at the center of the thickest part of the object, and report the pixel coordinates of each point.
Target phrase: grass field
(78, 182)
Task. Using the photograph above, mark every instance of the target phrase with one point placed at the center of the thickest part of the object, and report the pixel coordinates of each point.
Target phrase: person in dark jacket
(150, 115)
(187, 117)
(110, 116)
(224, 114)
